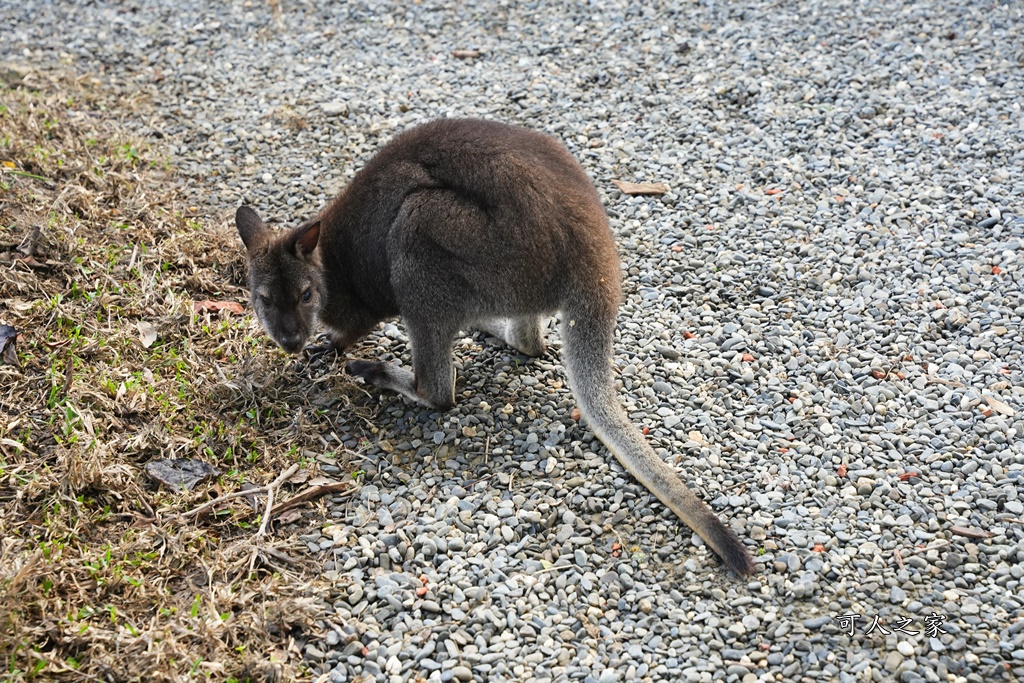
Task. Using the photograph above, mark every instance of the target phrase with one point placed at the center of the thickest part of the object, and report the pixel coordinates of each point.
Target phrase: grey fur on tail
(586, 351)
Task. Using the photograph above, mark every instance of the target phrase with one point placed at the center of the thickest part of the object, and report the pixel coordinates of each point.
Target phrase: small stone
(334, 108)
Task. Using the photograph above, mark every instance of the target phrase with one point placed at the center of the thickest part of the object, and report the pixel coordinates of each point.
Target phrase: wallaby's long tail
(586, 352)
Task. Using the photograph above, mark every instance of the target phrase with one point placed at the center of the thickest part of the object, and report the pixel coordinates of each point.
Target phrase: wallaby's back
(544, 230)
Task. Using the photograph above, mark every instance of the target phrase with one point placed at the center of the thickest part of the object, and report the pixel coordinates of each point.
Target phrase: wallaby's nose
(291, 340)
(292, 343)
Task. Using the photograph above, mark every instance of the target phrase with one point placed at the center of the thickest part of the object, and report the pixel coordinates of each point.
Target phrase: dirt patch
(119, 360)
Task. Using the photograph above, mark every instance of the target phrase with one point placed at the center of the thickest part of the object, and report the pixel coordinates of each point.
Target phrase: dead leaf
(772, 191)
(469, 431)
(31, 262)
(216, 306)
(908, 475)
(841, 471)
(147, 333)
(970, 532)
(181, 474)
(8, 339)
(466, 54)
(16, 445)
(289, 516)
(629, 188)
(998, 406)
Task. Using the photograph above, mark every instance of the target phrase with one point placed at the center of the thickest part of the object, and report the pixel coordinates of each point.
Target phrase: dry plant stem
(941, 544)
(283, 477)
(238, 494)
(312, 493)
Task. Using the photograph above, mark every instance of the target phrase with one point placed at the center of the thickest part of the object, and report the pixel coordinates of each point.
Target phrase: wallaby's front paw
(371, 372)
(315, 351)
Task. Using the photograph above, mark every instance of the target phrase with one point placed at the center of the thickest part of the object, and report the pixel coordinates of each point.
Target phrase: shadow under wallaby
(465, 223)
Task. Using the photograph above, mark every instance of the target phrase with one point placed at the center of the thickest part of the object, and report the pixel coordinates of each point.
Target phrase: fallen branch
(312, 493)
(283, 477)
(932, 379)
(941, 544)
(248, 492)
(970, 532)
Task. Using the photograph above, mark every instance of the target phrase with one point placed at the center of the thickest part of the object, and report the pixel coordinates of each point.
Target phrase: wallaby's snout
(291, 339)
(292, 345)
(290, 327)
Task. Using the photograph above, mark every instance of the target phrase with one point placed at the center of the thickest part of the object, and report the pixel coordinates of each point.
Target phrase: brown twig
(283, 477)
(932, 379)
(313, 493)
(942, 544)
(238, 494)
(268, 509)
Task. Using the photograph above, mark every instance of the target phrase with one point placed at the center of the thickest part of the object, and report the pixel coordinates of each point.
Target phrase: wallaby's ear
(306, 239)
(249, 225)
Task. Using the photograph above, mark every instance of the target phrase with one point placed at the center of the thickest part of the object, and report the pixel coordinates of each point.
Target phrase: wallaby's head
(285, 283)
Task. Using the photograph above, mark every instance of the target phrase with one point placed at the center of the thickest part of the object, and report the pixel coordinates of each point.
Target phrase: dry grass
(100, 579)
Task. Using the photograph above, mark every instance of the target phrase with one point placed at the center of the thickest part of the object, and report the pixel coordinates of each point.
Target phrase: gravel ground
(822, 326)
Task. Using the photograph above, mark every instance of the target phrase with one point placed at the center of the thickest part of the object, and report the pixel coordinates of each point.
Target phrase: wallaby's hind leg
(432, 382)
(525, 334)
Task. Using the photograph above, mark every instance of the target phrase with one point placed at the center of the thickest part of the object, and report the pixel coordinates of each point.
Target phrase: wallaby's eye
(264, 299)
(307, 295)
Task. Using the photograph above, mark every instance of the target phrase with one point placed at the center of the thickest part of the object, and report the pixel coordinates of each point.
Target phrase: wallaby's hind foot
(523, 334)
(384, 376)
(432, 382)
(394, 378)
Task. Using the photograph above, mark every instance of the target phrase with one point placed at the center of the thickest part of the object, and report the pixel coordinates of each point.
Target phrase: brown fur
(463, 223)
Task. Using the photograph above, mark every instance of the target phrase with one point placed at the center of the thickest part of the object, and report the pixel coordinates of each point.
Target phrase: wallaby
(464, 223)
